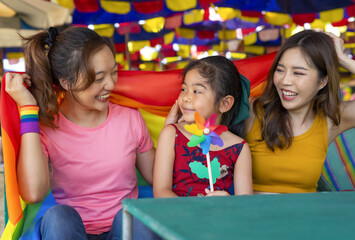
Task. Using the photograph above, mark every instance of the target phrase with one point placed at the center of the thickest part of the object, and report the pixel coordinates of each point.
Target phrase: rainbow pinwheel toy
(206, 133)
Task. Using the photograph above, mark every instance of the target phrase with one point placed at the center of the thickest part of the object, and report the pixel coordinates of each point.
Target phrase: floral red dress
(191, 160)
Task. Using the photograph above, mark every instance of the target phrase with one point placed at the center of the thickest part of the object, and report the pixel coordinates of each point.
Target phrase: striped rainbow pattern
(339, 166)
(29, 112)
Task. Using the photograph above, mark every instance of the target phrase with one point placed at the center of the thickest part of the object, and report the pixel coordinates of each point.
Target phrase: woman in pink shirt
(87, 148)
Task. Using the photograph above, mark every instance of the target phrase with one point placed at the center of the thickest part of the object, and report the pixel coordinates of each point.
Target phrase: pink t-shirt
(93, 169)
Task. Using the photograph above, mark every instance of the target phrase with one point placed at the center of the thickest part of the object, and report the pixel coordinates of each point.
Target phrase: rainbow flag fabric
(339, 165)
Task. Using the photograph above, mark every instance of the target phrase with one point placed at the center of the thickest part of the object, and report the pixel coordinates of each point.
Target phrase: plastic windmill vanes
(206, 133)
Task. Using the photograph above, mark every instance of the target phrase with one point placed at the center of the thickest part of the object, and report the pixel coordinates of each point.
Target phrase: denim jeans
(64, 222)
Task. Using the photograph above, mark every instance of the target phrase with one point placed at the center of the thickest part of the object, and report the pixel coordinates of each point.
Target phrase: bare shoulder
(230, 139)
(168, 130)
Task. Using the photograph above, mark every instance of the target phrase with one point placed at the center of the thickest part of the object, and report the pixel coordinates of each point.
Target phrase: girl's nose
(186, 98)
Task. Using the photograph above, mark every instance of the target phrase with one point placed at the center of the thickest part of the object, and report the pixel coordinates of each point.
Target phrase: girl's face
(197, 96)
(96, 96)
(296, 81)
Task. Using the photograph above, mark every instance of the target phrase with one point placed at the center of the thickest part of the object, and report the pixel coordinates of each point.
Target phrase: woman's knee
(60, 213)
(62, 221)
(61, 217)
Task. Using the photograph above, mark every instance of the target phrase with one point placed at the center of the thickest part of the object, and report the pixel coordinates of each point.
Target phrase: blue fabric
(145, 191)
(33, 232)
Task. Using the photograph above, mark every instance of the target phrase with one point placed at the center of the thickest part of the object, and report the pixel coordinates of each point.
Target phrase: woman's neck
(81, 116)
(301, 120)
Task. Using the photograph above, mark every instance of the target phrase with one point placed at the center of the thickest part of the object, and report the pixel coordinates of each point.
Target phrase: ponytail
(39, 69)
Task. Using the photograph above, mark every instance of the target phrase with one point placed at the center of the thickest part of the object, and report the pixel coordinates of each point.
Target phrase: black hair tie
(52, 34)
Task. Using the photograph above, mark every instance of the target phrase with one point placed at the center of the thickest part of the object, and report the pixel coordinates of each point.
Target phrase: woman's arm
(347, 109)
(243, 182)
(164, 163)
(32, 165)
(145, 162)
(347, 121)
(344, 60)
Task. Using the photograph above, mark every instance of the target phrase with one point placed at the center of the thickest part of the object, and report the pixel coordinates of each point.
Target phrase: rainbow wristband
(29, 119)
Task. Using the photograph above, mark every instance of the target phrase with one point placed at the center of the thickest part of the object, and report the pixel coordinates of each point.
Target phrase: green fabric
(5, 203)
(30, 213)
(244, 101)
(140, 179)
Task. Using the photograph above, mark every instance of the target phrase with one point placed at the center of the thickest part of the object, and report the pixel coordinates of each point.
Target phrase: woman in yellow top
(299, 114)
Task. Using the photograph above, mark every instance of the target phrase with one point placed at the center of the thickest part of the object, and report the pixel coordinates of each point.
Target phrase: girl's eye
(99, 80)
(183, 90)
(279, 70)
(197, 91)
(114, 72)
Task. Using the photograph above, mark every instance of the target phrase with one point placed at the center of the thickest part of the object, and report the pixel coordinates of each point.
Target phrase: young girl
(210, 85)
(87, 149)
(299, 114)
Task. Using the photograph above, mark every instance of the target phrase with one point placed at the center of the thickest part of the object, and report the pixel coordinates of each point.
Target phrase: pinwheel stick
(209, 171)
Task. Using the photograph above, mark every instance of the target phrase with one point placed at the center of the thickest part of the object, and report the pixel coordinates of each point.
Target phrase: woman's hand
(173, 116)
(17, 90)
(339, 47)
(216, 193)
(344, 60)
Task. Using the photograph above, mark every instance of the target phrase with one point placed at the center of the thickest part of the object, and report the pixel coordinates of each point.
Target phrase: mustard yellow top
(292, 170)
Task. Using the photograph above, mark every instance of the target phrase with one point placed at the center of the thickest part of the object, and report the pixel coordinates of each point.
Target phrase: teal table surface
(325, 215)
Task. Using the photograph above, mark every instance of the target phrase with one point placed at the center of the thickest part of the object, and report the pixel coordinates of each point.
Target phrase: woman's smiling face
(297, 82)
(96, 96)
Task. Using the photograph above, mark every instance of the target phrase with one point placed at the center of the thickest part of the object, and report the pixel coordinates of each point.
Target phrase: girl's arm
(145, 162)
(164, 163)
(243, 182)
(32, 164)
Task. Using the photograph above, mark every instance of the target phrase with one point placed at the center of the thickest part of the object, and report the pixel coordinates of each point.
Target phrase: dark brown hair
(65, 55)
(318, 50)
(224, 78)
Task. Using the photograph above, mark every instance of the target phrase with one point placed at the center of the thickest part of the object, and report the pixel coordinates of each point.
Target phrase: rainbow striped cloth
(339, 165)
(152, 92)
